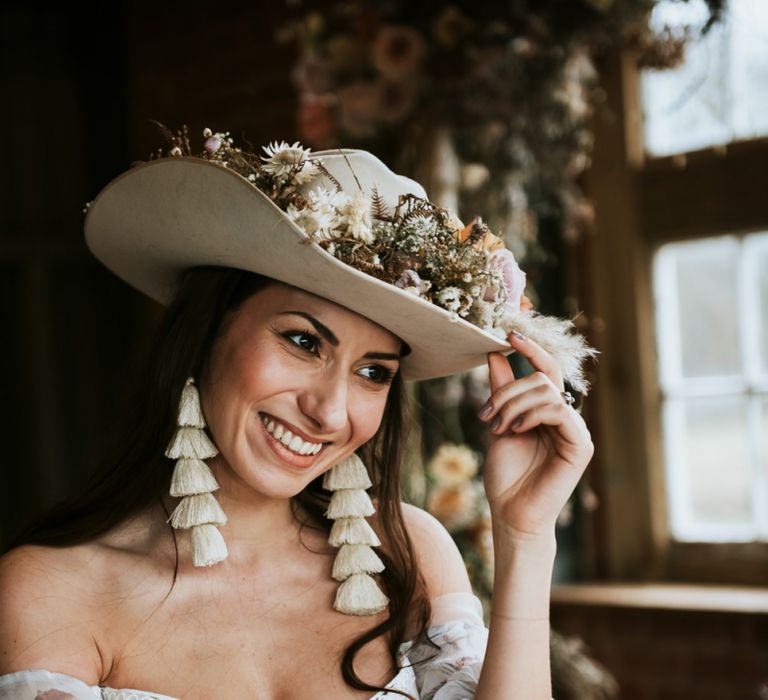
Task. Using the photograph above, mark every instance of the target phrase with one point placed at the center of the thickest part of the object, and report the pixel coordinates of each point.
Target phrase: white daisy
(282, 159)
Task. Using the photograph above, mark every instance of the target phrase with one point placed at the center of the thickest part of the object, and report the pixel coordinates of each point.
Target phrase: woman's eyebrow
(322, 329)
(382, 356)
(327, 333)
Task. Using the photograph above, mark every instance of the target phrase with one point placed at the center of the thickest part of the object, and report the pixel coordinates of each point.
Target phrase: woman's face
(295, 384)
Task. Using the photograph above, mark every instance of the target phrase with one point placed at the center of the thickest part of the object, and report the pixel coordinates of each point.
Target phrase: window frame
(629, 534)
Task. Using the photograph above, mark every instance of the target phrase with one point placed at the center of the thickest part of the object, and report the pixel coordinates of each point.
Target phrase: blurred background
(620, 147)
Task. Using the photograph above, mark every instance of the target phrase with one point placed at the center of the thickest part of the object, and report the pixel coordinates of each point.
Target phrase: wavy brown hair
(134, 473)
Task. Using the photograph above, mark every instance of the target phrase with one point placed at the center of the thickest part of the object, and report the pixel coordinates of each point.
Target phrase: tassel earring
(355, 561)
(193, 481)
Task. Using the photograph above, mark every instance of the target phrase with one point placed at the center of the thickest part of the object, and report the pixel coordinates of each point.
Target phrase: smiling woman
(304, 366)
(276, 382)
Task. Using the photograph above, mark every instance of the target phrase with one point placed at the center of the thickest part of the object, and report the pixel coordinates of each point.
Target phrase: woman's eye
(306, 341)
(377, 373)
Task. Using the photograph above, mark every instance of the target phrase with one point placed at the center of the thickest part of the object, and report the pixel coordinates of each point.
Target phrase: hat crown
(357, 170)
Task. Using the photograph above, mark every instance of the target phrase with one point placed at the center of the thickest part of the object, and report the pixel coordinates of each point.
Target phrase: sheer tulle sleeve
(44, 685)
(452, 671)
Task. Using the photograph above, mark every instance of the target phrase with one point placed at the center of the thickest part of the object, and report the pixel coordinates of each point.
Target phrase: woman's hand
(539, 445)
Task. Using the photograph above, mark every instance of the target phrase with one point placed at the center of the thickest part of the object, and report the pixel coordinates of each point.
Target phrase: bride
(245, 537)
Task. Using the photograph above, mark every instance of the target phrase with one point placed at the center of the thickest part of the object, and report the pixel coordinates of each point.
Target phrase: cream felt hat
(316, 221)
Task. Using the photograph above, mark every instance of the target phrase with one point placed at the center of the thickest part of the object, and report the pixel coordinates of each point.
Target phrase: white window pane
(696, 287)
(760, 489)
(761, 321)
(714, 488)
(717, 94)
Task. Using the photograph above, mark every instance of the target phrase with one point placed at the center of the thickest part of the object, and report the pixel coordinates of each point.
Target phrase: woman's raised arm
(539, 448)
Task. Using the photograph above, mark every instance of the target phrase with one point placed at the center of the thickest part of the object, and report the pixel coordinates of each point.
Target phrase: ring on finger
(568, 398)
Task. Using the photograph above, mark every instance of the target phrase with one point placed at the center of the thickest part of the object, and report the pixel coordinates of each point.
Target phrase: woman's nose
(325, 403)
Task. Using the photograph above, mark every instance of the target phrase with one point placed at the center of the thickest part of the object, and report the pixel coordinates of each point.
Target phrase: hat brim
(165, 216)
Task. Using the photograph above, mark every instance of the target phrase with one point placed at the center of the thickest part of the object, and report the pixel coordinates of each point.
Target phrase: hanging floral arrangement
(512, 84)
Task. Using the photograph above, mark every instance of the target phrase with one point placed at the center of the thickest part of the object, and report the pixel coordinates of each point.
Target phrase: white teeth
(296, 444)
(291, 441)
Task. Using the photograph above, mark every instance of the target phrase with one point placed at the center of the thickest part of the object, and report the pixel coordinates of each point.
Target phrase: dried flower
(453, 464)
(474, 176)
(450, 298)
(451, 26)
(503, 262)
(316, 124)
(358, 214)
(397, 51)
(453, 506)
(282, 160)
(322, 215)
(410, 282)
(396, 98)
(359, 108)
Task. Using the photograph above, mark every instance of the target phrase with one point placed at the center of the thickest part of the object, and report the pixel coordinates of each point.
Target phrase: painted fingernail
(519, 335)
(517, 422)
(485, 411)
(496, 423)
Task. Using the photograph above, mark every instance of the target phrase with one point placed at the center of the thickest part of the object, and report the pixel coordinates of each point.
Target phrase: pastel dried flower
(453, 506)
(453, 464)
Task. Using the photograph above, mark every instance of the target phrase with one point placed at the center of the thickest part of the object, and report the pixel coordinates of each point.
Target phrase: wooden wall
(80, 85)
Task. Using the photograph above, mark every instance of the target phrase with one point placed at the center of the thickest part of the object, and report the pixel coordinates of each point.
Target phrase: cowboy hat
(276, 218)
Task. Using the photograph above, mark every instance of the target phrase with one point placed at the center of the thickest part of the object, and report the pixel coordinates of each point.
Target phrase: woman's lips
(284, 454)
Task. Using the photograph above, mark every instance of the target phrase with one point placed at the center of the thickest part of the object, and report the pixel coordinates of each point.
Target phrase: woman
(302, 289)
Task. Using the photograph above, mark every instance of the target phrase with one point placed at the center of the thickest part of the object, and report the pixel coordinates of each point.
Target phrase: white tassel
(208, 546)
(191, 442)
(356, 559)
(350, 473)
(197, 510)
(190, 413)
(353, 531)
(192, 476)
(360, 595)
(350, 503)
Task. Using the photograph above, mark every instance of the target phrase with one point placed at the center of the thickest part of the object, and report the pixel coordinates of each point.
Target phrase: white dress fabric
(428, 673)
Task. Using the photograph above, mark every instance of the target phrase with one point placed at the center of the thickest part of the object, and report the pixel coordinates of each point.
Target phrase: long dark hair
(134, 473)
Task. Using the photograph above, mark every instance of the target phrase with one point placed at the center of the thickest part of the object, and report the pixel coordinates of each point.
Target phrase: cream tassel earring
(193, 482)
(355, 561)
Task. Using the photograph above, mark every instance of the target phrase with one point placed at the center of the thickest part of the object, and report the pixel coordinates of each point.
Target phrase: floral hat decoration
(336, 223)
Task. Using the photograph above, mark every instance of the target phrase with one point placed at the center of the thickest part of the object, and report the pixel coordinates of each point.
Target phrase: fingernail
(485, 411)
(496, 423)
(517, 422)
(519, 335)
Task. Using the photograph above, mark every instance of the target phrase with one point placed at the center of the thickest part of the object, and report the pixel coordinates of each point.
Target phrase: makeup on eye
(299, 338)
(384, 376)
(311, 343)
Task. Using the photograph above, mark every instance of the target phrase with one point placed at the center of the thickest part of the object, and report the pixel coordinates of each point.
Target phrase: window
(675, 284)
(711, 312)
(718, 94)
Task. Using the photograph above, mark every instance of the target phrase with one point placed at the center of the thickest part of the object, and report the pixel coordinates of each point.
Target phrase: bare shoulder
(438, 556)
(44, 598)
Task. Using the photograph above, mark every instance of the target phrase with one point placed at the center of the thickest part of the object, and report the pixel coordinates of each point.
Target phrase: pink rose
(504, 262)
